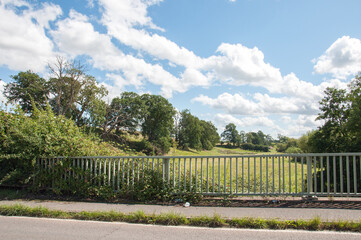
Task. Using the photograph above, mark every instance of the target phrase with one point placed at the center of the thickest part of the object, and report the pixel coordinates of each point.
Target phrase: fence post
(166, 169)
(309, 175)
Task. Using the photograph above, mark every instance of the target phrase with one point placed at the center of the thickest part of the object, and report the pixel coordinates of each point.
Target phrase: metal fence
(336, 174)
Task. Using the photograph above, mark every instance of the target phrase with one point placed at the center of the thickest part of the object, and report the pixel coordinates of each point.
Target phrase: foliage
(196, 134)
(151, 188)
(285, 143)
(157, 121)
(23, 139)
(230, 133)
(341, 113)
(293, 150)
(250, 146)
(27, 87)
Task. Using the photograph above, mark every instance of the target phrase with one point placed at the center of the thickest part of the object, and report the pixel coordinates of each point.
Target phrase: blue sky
(262, 65)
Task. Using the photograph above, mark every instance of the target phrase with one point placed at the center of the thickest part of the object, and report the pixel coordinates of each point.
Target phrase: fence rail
(336, 174)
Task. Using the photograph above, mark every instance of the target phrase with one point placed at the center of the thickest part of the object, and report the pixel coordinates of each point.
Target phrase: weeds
(177, 219)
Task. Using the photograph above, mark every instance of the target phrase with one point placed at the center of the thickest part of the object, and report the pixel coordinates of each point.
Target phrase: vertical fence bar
(242, 174)
(348, 174)
(236, 175)
(296, 191)
(321, 168)
(273, 174)
(207, 176)
(174, 172)
(267, 175)
(315, 175)
(190, 174)
(143, 170)
(213, 175)
(179, 173)
(328, 174)
(289, 174)
(354, 175)
(341, 174)
(302, 176)
(225, 175)
(185, 174)
(249, 181)
(202, 175)
(118, 174)
(279, 175)
(219, 174)
(195, 173)
(309, 175)
(255, 175)
(109, 170)
(334, 175)
(230, 176)
(283, 176)
(260, 174)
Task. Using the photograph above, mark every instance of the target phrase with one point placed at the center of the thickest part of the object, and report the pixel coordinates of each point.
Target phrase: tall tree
(210, 136)
(27, 88)
(66, 84)
(230, 133)
(157, 119)
(190, 131)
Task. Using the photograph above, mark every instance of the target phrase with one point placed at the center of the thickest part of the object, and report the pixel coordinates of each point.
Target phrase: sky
(260, 64)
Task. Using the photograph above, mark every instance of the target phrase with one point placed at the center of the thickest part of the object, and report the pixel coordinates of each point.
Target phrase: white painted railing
(332, 174)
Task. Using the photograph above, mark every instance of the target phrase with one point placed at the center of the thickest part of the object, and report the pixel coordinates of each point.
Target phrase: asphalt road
(42, 228)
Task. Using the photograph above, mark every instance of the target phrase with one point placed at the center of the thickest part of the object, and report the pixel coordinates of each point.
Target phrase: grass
(176, 219)
(216, 151)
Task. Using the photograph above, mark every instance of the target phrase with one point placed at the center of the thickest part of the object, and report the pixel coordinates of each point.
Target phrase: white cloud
(301, 125)
(260, 105)
(254, 122)
(341, 59)
(233, 104)
(2, 87)
(239, 65)
(23, 43)
(76, 36)
(121, 18)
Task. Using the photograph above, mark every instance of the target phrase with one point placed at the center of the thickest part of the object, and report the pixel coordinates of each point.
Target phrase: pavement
(191, 211)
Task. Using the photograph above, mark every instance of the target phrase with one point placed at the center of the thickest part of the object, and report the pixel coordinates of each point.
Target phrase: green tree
(190, 131)
(230, 133)
(27, 88)
(157, 120)
(210, 136)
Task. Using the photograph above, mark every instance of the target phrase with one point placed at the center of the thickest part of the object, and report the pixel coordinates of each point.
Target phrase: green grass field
(236, 175)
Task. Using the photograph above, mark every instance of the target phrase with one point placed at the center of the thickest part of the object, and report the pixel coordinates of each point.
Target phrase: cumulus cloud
(233, 104)
(23, 43)
(260, 105)
(341, 59)
(240, 65)
(224, 119)
(300, 125)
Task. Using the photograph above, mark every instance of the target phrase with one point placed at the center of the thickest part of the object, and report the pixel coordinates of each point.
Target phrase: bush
(252, 147)
(293, 150)
(23, 139)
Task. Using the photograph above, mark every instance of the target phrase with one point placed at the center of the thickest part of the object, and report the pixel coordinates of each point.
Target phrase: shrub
(25, 138)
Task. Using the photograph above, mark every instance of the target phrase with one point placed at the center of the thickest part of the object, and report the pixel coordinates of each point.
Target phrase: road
(42, 228)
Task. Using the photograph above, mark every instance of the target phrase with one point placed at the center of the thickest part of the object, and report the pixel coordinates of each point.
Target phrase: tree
(230, 133)
(27, 88)
(157, 120)
(210, 136)
(341, 113)
(190, 131)
(66, 84)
